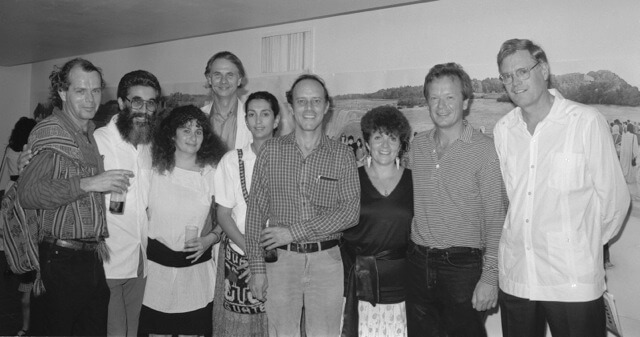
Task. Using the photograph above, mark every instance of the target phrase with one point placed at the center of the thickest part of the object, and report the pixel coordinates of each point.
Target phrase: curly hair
(389, 120)
(163, 147)
(60, 78)
(20, 133)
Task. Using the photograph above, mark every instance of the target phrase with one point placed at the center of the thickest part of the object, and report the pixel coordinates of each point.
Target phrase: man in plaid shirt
(306, 187)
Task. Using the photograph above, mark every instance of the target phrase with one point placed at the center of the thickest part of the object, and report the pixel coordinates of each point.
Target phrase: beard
(135, 127)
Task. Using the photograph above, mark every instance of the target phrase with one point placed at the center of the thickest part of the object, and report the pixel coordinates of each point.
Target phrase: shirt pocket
(325, 191)
(567, 171)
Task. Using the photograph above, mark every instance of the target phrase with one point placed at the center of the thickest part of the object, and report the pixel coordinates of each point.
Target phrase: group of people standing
(308, 242)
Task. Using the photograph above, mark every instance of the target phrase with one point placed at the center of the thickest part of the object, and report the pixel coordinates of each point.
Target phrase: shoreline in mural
(613, 96)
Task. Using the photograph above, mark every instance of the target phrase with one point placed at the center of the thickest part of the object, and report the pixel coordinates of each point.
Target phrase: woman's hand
(198, 246)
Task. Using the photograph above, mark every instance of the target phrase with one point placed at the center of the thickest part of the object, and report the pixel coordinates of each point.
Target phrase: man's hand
(258, 285)
(109, 181)
(484, 297)
(273, 237)
(25, 157)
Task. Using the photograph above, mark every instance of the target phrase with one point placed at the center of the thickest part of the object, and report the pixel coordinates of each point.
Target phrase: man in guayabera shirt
(65, 180)
(568, 197)
(459, 211)
(307, 186)
(124, 143)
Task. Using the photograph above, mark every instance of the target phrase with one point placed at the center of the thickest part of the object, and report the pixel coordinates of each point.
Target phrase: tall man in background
(65, 181)
(225, 75)
(306, 186)
(567, 196)
(124, 143)
(459, 211)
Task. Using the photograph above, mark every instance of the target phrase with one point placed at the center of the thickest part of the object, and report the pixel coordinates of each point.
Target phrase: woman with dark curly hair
(179, 291)
(373, 252)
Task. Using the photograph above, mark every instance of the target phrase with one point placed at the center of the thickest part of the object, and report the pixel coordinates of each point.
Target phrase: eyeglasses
(138, 103)
(521, 73)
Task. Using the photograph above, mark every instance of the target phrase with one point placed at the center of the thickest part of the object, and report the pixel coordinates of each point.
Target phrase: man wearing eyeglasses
(568, 198)
(124, 144)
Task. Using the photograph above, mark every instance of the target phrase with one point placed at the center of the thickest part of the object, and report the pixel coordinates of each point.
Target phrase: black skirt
(197, 322)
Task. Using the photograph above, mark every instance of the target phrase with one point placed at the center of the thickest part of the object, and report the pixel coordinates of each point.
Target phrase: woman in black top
(373, 251)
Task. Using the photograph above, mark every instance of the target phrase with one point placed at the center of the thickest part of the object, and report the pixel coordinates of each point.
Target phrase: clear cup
(116, 202)
(190, 233)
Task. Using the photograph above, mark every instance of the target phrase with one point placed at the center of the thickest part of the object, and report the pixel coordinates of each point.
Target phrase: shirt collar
(291, 138)
(466, 135)
(70, 124)
(556, 114)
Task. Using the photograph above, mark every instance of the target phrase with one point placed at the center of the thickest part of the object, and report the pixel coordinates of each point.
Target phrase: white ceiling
(38, 30)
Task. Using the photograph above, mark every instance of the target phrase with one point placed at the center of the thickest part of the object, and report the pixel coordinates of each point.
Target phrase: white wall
(15, 95)
(368, 51)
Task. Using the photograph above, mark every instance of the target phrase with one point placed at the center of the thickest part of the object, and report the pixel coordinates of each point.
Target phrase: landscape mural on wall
(612, 95)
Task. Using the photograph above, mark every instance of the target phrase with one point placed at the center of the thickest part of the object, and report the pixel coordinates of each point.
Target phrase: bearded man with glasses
(124, 143)
(568, 197)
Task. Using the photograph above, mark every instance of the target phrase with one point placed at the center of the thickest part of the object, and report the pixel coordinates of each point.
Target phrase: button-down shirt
(316, 197)
(568, 197)
(51, 181)
(243, 136)
(128, 231)
(459, 198)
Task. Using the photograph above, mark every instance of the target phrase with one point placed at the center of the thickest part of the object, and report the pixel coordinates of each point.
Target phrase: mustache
(139, 115)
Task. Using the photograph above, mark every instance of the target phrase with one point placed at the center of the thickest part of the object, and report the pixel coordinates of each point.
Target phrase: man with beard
(124, 143)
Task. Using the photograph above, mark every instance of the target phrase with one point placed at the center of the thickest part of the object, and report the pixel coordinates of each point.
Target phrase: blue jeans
(76, 298)
(440, 288)
(312, 280)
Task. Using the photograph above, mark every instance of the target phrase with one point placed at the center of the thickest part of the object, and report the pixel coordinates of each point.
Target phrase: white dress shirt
(568, 198)
(128, 231)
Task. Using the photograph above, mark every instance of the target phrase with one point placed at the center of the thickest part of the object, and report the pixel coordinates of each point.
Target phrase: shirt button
(437, 165)
(528, 248)
(527, 220)
(533, 166)
(529, 193)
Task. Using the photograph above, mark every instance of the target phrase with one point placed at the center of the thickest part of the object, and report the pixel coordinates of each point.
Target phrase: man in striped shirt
(64, 181)
(459, 212)
(307, 187)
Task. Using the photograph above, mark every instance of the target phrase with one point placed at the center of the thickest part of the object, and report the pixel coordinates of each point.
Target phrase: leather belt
(72, 244)
(437, 252)
(310, 247)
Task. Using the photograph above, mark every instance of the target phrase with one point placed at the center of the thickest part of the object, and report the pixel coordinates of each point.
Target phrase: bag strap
(243, 182)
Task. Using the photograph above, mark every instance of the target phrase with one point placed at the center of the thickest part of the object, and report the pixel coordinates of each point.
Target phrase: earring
(397, 163)
(368, 161)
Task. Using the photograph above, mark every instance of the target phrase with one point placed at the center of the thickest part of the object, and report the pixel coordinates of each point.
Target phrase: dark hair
(137, 77)
(264, 95)
(20, 133)
(389, 120)
(630, 127)
(451, 70)
(163, 147)
(60, 78)
(510, 47)
(309, 77)
(229, 56)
